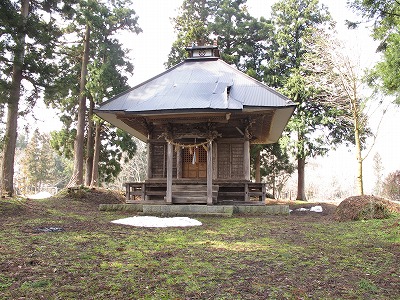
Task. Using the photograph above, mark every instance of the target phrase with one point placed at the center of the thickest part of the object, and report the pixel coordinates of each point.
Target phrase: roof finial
(203, 51)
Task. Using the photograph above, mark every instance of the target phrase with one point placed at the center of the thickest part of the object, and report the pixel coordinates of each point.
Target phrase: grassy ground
(301, 256)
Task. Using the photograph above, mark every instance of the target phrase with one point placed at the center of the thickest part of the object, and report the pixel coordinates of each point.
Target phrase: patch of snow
(148, 221)
(40, 195)
(317, 208)
(302, 209)
(49, 229)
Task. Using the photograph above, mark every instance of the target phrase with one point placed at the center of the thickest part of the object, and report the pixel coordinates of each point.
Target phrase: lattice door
(194, 162)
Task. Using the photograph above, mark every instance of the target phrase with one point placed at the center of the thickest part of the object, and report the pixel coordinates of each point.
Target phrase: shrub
(364, 208)
(391, 186)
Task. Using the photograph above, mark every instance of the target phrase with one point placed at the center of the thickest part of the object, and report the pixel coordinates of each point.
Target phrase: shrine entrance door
(194, 162)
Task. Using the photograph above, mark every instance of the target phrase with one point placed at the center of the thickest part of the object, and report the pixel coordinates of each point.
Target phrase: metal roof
(201, 85)
(196, 84)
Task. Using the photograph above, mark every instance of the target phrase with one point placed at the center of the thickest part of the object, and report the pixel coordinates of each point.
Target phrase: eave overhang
(268, 131)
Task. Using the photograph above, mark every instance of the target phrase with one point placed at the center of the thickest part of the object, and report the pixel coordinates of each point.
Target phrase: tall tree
(99, 58)
(191, 26)
(241, 37)
(241, 40)
(28, 32)
(386, 17)
(315, 126)
(106, 80)
(13, 101)
(104, 22)
(342, 78)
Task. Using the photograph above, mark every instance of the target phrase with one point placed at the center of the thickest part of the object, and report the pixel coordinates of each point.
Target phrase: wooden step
(192, 187)
(192, 194)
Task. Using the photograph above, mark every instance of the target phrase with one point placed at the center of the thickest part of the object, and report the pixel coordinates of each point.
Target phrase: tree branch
(376, 133)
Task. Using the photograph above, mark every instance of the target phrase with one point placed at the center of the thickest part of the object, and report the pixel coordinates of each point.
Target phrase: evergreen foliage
(40, 165)
(385, 15)
(276, 166)
(28, 34)
(318, 124)
(275, 52)
(97, 23)
(241, 37)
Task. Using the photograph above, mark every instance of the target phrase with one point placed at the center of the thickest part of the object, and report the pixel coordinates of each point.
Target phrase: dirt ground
(312, 255)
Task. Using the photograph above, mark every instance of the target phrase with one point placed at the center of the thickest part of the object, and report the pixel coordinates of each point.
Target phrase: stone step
(187, 210)
(189, 200)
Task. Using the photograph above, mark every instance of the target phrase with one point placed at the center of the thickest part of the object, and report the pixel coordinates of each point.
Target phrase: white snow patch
(148, 221)
(40, 195)
(317, 208)
(302, 209)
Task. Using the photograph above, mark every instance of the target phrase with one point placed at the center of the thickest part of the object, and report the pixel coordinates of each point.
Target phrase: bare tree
(378, 172)
(341, 77)
(135, 169)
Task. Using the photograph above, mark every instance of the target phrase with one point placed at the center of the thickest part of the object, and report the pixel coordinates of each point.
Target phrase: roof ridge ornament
(205, 51)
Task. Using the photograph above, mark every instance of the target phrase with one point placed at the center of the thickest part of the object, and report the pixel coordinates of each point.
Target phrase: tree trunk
(77, 178)
(274, 178)
(10, 139)
(96, 156)
(301, 163)
(90, 144)
(360, 182)
(301, 195)
(357, 140)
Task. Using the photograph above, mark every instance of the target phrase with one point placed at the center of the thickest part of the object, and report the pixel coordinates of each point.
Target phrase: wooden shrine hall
(199, 119)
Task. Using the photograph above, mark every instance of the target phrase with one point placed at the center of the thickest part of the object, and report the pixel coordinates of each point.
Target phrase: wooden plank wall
(159, 160)
(230, 160)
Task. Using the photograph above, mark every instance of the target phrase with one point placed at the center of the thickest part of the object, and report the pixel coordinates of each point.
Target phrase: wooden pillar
(246, 159)
(209, 174)
(127, 191)
(214, 160)
(264, 193)
(246, 192)
(170, 157)
(149, 157)
(179, 163)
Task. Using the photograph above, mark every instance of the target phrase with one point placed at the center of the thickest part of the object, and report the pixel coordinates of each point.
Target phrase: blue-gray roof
(197, 84)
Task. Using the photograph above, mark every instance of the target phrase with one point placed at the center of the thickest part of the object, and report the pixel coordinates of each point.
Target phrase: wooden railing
(246, 191)
(228, 191)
